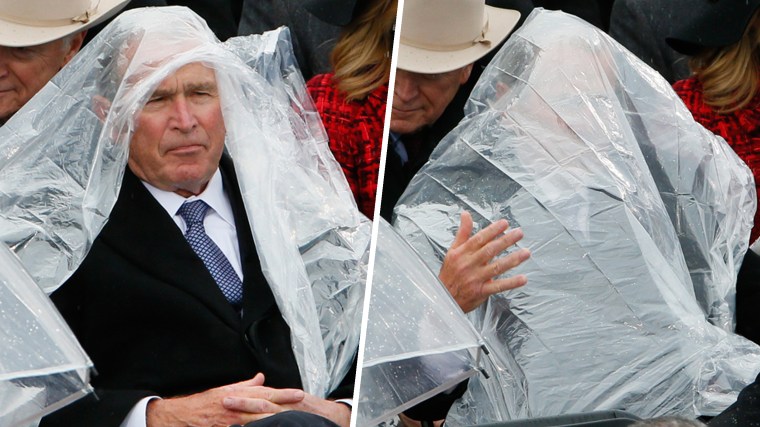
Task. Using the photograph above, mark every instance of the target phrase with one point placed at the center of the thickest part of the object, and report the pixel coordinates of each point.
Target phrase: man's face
(420, 99)
(179, 136)
(25, 70)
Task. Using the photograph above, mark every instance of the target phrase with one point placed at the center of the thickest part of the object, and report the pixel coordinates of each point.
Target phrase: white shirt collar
(213, 195)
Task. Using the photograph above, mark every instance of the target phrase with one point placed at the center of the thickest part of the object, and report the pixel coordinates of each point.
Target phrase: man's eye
(155, 99)
(23, 52)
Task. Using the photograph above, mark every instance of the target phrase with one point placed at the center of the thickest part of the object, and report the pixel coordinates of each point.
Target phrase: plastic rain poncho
(404, 365)
(62, 167)
(637, 219)
(42, 366)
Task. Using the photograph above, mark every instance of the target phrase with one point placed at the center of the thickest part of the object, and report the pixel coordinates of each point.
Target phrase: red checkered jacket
(355, 130)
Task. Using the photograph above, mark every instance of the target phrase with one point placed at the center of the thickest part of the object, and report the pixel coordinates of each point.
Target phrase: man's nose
(183, 116)
(406, 87)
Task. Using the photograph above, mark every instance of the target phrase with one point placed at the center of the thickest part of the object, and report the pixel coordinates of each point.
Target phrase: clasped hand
(240, 403)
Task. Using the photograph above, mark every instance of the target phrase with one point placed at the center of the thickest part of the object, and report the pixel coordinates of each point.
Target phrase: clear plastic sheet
(42, 366)
(62, 167)
(637, 218)
(418, 342)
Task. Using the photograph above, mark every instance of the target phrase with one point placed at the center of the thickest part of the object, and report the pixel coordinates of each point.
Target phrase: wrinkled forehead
(194, 75)
(139, 59)
(147, 46)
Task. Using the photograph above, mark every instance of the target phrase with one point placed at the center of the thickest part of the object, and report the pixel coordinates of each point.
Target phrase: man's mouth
(186, 149)
(404, 110)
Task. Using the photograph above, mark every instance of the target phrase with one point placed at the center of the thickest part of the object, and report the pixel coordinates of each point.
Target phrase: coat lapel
(144, 233)
(257, 296)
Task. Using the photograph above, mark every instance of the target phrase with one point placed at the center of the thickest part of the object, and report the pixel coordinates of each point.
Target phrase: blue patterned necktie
(217, 264)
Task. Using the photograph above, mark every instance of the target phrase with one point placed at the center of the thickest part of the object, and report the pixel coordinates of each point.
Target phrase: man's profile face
(25, 70)
(179, 136)
(420, 99)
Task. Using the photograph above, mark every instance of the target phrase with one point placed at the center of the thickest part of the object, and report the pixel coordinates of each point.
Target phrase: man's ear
(101, 105)
(76, 44)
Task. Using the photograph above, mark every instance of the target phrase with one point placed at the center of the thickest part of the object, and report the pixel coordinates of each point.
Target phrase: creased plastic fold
(42, 366)
(637, 219)
(418, 342)
(63, 155)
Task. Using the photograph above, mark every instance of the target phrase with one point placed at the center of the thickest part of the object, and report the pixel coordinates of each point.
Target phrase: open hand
(470, 267)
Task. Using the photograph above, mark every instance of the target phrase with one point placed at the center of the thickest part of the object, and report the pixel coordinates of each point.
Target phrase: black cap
(335, 12)
(714, 23)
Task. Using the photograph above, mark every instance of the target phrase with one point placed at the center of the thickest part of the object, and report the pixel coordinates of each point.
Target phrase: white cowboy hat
(442, 35)
(34, 22)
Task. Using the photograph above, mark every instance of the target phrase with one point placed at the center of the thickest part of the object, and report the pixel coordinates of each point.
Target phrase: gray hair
(67, 40)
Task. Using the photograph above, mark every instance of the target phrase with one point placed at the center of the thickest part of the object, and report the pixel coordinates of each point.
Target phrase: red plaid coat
(355, 130)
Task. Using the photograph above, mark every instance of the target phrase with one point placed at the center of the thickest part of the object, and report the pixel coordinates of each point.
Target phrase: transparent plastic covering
(418, 342)
(637, 219)
(62, 168)
(42, 366)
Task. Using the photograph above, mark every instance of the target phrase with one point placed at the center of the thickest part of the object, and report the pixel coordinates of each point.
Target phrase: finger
(486, 235)
(282, 395)
(465, 229)
(506, 284)
(497, 246)
(251, 405)
(256, 381)
(500, 266)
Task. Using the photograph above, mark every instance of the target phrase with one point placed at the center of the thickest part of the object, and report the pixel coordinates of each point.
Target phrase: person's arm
(469, 272)
(254, 407)
(137, 416)
(101, 408)
(238, 403)
(337, 406)
(369, 143)
(471, 267)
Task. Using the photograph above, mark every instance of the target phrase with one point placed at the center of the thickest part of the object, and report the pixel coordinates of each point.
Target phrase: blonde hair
(362, 56)
(730, 74)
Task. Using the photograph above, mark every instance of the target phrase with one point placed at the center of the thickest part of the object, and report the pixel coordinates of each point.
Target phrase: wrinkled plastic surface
(418, 341)
(42, 366)
(62, 167)
(637, 219)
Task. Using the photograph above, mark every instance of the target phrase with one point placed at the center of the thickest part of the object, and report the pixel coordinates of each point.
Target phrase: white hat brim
(426, 61)
(13, 34)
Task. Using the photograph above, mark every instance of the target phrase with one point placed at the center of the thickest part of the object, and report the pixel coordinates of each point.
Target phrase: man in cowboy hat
(440, 41)
(37, 38)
